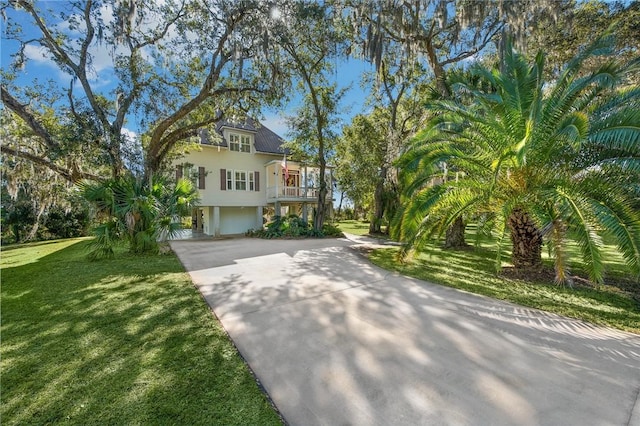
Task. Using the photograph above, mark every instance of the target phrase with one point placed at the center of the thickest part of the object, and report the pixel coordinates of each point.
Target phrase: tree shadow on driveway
(336, 340)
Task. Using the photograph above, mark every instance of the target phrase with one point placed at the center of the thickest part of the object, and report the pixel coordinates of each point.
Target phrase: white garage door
(237, 220)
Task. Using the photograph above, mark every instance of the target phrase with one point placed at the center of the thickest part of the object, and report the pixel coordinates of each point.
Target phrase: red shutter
(223, 179)
(256, 184)
(179, 172)
(201, 176)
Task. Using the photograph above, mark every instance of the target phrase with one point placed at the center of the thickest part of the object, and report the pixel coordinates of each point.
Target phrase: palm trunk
(526, 240)
(454, 237)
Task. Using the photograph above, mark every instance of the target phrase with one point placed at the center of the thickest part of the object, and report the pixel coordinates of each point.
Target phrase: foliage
(172, 67)
(331, 230)
(358, 156)
(62, 223)
(535, 160)
(408, 41)
(32, 191)
(580, 23)
(18, 217)
(27, 218)
(141, 214)
(310, 40)
(127, 342)
(293, 226)
(439, 33)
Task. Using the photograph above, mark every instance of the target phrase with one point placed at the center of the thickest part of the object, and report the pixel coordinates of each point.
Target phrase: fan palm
(538, 161)
(141, 214)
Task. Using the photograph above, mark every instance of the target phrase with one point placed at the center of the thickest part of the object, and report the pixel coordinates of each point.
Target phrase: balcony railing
(293, 193)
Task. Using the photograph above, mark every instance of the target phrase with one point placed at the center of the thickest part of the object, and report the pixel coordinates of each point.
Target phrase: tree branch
(496, 27)
(30, 120)
(72, 175)
(156, 144)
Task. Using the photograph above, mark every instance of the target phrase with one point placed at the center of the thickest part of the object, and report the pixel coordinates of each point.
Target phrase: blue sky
(348, 73)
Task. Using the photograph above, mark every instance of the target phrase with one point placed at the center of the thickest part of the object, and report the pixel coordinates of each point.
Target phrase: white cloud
(42, 57)
(38, 54)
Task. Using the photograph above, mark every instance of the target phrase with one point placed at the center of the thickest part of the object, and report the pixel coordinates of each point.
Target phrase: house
(244, 178)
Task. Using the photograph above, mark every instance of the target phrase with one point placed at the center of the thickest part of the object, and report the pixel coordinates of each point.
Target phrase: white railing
(290, 192)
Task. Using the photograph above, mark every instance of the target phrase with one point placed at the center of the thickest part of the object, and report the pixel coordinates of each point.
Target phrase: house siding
(217, 163)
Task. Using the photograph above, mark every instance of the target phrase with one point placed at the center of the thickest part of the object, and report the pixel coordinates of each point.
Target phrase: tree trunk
(454, 237)
(318, 219)
(378, 202)
(526, 240)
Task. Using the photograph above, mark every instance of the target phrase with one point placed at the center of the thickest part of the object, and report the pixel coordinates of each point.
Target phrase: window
(245, 144)
(239, 143)
(234, 142)
(241, 181)
(230, 180)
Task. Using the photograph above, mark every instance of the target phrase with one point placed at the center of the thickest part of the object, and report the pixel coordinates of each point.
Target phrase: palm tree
(539, 161)
(138, 213)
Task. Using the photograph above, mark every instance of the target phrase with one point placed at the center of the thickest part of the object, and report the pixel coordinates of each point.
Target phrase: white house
(244, 178)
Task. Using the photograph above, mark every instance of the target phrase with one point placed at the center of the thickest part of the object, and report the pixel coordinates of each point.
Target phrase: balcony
(294, 183)
(291, 193)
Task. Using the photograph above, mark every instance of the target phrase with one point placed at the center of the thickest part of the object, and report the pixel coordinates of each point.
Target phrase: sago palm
(539, 161)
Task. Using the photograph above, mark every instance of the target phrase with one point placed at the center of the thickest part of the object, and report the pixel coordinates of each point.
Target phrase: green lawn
(121, 341)
(356, 227)
(615, 304)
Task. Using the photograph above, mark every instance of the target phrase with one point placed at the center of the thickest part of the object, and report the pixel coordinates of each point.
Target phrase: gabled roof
(265, 140)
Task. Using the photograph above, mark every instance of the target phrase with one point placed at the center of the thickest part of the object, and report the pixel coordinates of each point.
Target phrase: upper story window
(239, 180)
(239, 143)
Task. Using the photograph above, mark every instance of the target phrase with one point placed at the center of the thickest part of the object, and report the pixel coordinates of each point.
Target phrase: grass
(121, 341)
(355, 227)
(615, 304)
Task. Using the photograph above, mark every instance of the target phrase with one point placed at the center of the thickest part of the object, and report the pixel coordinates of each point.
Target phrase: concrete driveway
(337, 341)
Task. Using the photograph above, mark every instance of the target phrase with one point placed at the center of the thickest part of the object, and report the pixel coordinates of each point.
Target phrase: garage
(237, 220)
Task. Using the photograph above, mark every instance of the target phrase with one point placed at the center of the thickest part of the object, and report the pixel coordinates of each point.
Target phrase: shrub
(293, 226)
(71, 223)
(331, 230)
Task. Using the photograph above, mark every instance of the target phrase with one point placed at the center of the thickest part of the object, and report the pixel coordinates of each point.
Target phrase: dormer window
(239, 143)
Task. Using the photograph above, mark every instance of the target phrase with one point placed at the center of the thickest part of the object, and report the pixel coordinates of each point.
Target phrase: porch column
(305, 213)
(205, 217)
(216, 222)
(259, 213)
(276, 176)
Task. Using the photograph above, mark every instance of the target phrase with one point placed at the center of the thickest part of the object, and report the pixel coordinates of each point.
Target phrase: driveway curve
(335, 340)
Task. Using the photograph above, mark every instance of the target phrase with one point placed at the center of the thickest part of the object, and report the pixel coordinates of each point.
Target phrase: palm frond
(582, 226)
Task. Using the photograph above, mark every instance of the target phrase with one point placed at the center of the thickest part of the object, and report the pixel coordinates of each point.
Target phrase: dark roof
(206, 139)
(265, 140)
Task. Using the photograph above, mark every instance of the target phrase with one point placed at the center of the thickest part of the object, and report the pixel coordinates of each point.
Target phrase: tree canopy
(173, 67)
